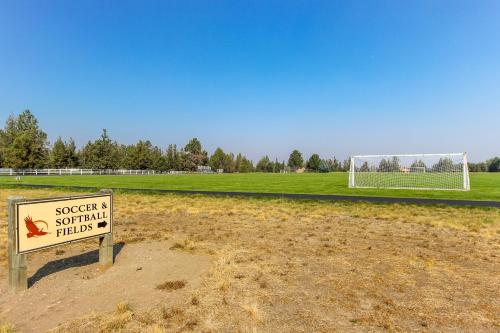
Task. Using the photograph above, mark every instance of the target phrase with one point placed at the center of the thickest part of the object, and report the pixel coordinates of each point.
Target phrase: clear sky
(259, 77)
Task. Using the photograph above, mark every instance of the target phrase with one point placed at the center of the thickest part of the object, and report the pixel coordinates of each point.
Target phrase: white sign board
(43, 223)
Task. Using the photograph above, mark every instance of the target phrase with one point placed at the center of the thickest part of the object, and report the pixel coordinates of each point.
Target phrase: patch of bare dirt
(73, 285)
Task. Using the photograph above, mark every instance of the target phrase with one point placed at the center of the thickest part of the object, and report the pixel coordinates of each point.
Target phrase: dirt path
(73, 286)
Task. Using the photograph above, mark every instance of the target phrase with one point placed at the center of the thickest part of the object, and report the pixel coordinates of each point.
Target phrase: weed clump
(123, 307)
(169, 313)
(172, 285)
(7, 328)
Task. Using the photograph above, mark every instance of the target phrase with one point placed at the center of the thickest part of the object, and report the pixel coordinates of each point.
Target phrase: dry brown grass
(7, 328)
(287, 266)
(123, 307)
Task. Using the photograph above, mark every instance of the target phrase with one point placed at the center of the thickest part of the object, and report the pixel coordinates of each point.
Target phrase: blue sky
(259, 77)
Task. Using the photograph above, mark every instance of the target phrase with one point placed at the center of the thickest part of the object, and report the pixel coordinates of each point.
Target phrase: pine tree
(313, 163)
(229, 163)
(325, 166)
(237, 162)
(335, 165)
(58, 154)
(63, 154)
(71, 154)
(217, 160)
(144, 156)
(171, 158)
(295, 160)
(364, 167)
(493, 164)
(22, 143)
(158, 160)
(101, 154)
(263, 164)
(245, 165)
(346, 166)
(193, 155)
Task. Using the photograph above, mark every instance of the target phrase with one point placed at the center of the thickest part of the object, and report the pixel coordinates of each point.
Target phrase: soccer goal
(412, 171)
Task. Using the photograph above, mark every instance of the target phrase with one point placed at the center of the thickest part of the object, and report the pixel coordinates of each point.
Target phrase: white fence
(60, 172)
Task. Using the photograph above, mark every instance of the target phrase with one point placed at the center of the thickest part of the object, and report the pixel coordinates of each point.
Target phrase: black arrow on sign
(102, 224)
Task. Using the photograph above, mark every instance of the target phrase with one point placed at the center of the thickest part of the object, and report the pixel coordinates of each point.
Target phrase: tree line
(491, 165)
(24, 145)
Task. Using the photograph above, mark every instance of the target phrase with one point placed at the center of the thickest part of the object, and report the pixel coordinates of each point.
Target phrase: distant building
(204, 169)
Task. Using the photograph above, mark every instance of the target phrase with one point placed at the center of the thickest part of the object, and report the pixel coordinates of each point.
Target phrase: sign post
(18, 279)
(106, 245)
(36, 224)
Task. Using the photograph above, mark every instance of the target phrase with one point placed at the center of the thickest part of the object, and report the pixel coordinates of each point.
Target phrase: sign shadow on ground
(84, 259)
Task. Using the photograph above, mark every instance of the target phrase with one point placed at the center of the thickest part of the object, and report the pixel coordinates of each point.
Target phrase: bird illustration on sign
(33, 229)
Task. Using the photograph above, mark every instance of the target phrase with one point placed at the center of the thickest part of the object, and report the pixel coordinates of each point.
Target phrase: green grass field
(484, 186)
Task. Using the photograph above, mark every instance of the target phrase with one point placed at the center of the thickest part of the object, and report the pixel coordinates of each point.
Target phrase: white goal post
(410, 171)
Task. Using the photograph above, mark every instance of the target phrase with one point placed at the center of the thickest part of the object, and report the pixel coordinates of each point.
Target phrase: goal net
(413, 171)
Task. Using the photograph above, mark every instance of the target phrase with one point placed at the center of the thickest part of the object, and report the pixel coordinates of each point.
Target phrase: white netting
(418, 171)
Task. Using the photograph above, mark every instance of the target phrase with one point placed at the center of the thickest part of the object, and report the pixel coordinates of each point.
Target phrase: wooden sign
(36, 224)
(43, 223)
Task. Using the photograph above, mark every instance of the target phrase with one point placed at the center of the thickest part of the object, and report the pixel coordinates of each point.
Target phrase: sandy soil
(73, 285)
(273, 266)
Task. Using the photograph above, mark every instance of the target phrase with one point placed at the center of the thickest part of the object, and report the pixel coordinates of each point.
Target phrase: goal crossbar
(410, 155)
